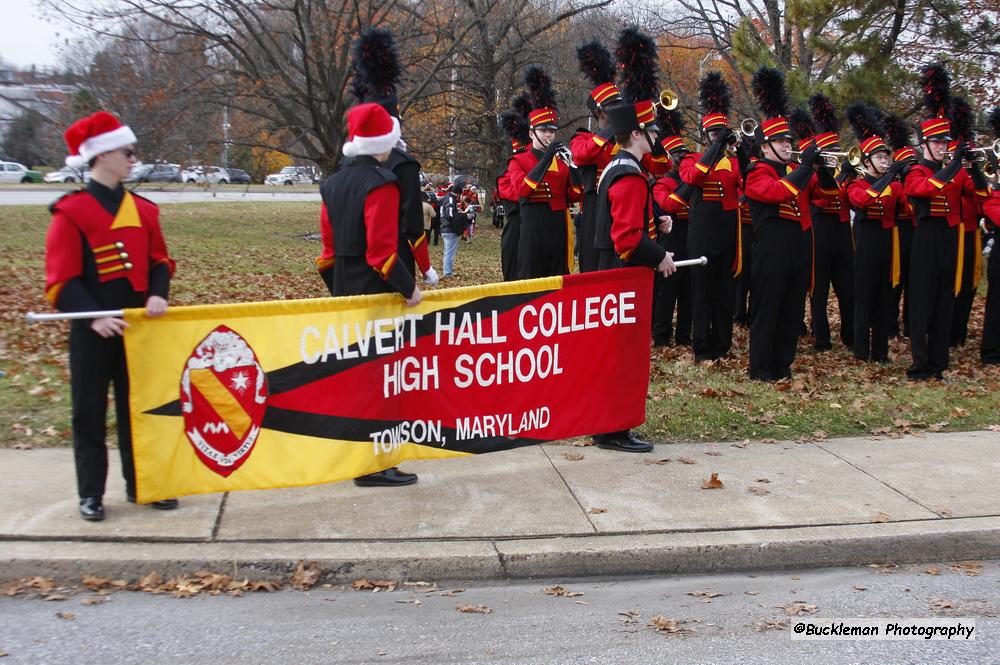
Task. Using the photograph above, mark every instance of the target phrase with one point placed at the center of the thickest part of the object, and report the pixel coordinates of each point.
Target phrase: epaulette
(52, 206)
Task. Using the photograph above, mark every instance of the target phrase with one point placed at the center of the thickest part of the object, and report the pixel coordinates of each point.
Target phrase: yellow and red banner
(301, 392)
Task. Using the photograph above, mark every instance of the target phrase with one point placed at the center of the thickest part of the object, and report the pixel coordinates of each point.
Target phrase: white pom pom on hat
(371, 131)
(97, 133)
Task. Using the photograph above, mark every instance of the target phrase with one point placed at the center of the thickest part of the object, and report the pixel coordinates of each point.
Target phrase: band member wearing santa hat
(779, 199)
(935, 189)
(545, 187)
(104, 251)
(376, 67)
(877, 262)
(625, 223)
(593, 150)
(360, 228)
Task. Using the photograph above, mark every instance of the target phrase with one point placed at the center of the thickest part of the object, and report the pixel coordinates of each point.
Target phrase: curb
(491, 560)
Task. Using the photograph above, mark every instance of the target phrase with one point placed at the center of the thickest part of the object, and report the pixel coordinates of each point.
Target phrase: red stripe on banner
(567, 363)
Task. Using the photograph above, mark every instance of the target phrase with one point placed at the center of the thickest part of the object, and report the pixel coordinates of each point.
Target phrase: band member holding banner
(359, 228)
(104, 251)
(717, 185)
(625, 224)
(874, 198)
(782, 255)
(542, 180)
(935, 189)
(593, 150)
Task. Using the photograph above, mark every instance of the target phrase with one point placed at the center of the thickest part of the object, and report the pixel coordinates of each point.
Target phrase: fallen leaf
(751, 593)
(452, 593)
(968, 568)
(662, 624)
(798, 607)
(597, 511)
(686, 460)
(859, 587)
(762, 480)
(365, 584)
(264, 585)
(581, 602)
(560, 591)
(55, 596)
(150, 581)
(582, 443)
(414, 601)
(883, 567)
(94, 600)
(959, 412)
(478, 609)
(771, 624)
(759, 491)
(306, 575)
(714, 453)
(96, 583)
(705, 594)
(712, 483)
(632, 616)
(769, 440)
(68, 616)
(796, 577)
(573, 457)
(941, 604)
(881, 517)
(835, 405)
(994, 428)
(741, 444)
(665, 460)
(937, 427)
(933, 570)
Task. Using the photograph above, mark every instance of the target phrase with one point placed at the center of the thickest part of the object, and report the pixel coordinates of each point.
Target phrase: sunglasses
(128, 152)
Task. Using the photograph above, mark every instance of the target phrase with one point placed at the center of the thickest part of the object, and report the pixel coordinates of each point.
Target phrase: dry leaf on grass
(798, 607)
(958, 412)
(68, 616)
(560, 591)
(667, 626)
(597, 511)
(994, 428)
(573, 457)
(476, 609)
(712, 483)
(365, 584)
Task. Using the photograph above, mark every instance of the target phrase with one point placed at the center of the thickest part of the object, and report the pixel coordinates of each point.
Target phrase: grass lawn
(229, 252)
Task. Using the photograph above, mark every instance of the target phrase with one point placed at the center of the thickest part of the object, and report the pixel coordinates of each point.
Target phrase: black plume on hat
(671, 122)
(936, 84)
(636, 53)
(515, 126)
(960, 114)
(540, 88)
(769, 88)
(994, 119)
(714, 93)
(521, 104)
(896, 131)
(596, 63)
(376, 68)
(800, 123)
(865, 119)
(823, 113)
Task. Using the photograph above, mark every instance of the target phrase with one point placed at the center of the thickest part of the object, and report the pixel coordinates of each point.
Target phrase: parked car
(155, 173)
(239, 177)
(212, 175)
(67, 174)
(293, 175)
(14, 172)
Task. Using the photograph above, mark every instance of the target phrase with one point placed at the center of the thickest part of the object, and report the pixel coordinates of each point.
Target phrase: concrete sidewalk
(540, 512)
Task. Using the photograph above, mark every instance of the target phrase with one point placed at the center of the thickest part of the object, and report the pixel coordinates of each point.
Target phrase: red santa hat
(371, 131)
(98, 133)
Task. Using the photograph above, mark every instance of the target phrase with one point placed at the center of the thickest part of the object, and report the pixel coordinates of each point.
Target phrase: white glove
(431, 277)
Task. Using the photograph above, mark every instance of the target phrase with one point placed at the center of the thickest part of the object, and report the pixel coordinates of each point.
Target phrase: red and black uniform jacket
(411, 208)
(869, 203)
(360, 219)
(591, 154)
(837, 207)
(104, 250)
(625, 222)
(672, 195)
(991, 208)
(775, 192)
(936, 192)
(720, 184)
(554, 188)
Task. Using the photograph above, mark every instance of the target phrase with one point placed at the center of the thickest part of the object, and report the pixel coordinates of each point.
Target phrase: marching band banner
(301, 392)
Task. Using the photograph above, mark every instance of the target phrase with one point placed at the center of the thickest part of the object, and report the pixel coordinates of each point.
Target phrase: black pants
(435, 229)
(990, 350)
(782, 266)
(932, 282)
(674, 292)
(901, 292)
(712, 234)
(509, 239)
(741, 314)
(586, 251)
(542, 250)
(872, 289)
(963, 301)
(94, 363)
(834, 266)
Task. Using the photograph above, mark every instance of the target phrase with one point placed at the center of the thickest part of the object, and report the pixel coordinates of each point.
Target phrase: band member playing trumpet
(543, 183)
(935, 189)
(782, 255)
(717, 185)
(876, 238)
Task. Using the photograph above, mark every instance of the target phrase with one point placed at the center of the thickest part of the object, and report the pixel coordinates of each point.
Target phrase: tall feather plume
(671, 122)
(540, 88)
(636, 53)
(769, 88)
(994, 119)
(375, 63)
(801, 124)
(596, 63)
(714, 94)
(960, 114)
(823, 113)
(896, 131)
(521, 104)
(515, 126)
(865, 119)
(936, 84)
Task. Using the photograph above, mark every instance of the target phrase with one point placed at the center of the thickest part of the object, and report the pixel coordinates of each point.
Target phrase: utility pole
(225, 137)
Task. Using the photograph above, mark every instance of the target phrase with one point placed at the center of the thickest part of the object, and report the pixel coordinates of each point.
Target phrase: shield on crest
(223, 399)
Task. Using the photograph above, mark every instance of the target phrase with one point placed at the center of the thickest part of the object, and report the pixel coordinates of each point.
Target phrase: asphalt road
(45, 196)
(609, 623)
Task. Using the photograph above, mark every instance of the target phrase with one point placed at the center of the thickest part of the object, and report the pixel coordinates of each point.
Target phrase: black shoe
(389, 478)
(91, 508)
(164, 504)
(626, 442)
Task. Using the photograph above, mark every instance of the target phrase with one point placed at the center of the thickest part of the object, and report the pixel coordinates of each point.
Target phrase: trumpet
(668, 100)
(981, 152)
(832, 158)
(748, 127)
(566, 155)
